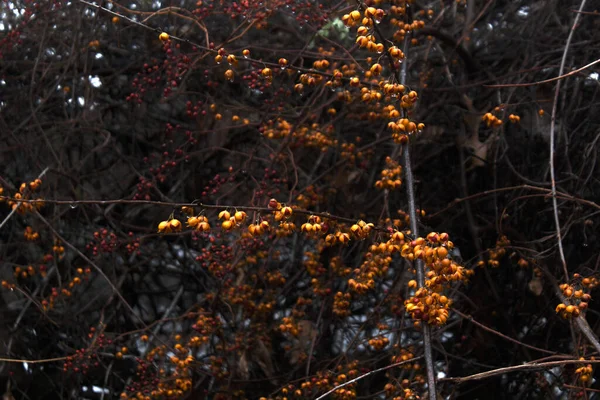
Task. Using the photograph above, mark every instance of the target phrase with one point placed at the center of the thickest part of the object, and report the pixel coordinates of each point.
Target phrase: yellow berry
(266, 72)
(240, 216)
(376, 69)
(227, 225)
(175, 225)
(163, 226)
(192, 221)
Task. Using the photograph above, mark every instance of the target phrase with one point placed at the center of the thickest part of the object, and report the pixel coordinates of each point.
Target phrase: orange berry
(227, 225)
(164, 226)
(240, 216)
(175, 225)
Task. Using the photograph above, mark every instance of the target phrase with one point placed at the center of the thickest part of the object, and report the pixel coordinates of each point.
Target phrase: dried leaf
(242, 367)
(536, 286)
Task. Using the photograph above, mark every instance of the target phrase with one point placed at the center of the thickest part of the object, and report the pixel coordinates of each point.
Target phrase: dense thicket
(126, 112)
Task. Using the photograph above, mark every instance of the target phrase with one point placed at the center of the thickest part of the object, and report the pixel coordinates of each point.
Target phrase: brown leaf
(243, 368)
(536, 286)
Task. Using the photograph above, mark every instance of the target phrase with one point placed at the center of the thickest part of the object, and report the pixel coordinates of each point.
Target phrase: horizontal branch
(516, 368)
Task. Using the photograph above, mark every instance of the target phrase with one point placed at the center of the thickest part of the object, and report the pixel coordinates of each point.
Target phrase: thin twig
(90, 262)
(564, 196)
(367, 374)
(206, 49)
(41, 361)
(188, 204)
(515, 368)
(484, 327)
(156, 329)
(164, 318)
(557, 78)
(552, 140)
(106, 376)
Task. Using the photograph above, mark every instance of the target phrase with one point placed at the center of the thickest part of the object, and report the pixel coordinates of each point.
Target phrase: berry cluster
(428, 303)
(496, 254)
(232, 221)
(24, 193)
(66, 292)
(104, 242)
(514, 118)
(390, 176)
(199, 223)
(314, 226)
(491, 120)
(58, 249)
(86, 358)
(361, 229)
(171, 225)
(30, 234)
(585, 373)
(379, 343)
(576, 297)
